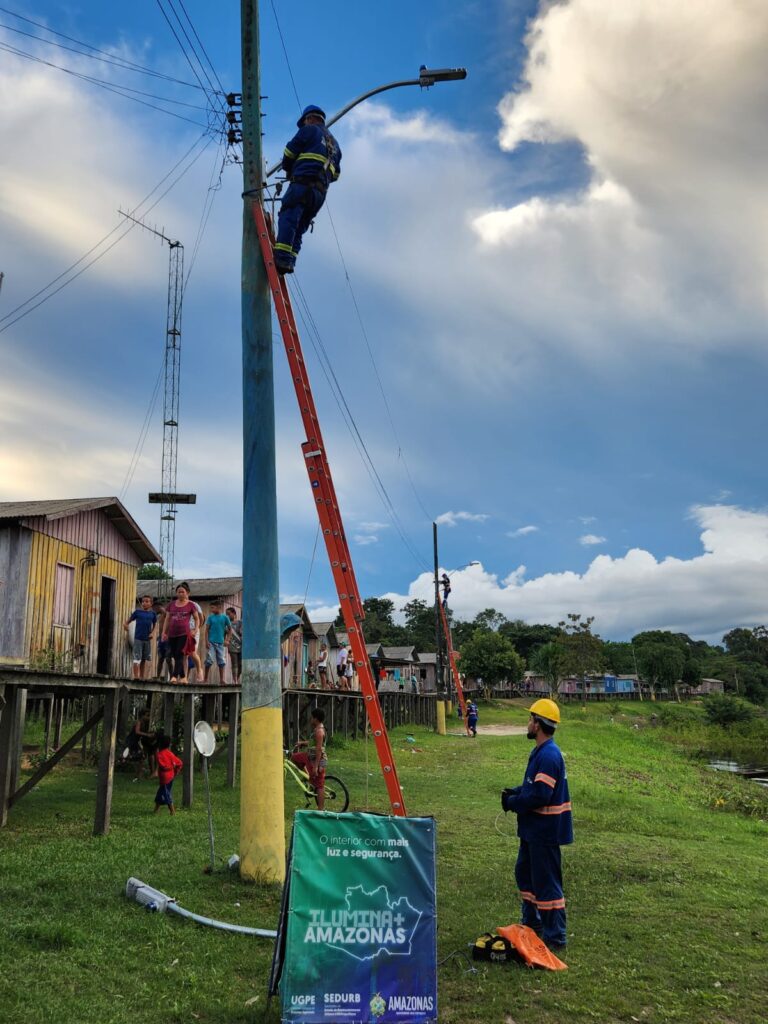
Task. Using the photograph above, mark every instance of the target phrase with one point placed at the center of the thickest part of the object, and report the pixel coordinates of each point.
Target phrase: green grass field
(667, 901)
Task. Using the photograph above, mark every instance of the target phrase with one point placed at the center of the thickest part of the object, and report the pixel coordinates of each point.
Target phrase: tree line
(499, 649)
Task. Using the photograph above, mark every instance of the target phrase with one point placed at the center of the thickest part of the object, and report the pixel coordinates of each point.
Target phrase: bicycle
(336, 793)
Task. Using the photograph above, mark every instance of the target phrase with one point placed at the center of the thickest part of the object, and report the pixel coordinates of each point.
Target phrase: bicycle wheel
(336, 794)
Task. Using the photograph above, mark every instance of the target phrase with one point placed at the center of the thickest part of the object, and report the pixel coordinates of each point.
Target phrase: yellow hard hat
(546, 709)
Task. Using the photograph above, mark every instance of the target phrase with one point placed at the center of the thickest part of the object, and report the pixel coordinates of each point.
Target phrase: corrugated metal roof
(60, 508)
(216, 586)
(400, 653)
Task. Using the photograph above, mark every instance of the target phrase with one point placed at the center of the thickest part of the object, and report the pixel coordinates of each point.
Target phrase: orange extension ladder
(328, 512)
(453, 658)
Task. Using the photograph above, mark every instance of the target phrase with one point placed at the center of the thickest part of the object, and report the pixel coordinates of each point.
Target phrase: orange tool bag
(516, 943)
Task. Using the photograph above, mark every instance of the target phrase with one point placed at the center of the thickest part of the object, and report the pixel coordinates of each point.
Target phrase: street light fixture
(427, 78)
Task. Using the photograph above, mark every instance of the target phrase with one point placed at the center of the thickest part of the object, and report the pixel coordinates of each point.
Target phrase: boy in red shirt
(168, 767)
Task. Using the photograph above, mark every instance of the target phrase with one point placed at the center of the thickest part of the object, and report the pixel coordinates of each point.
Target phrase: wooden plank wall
(40, 634)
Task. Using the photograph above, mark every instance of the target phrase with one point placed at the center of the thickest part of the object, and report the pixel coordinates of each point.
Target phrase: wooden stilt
(188, 771)
(106, 763)
(58, 722)
(234, 725)
(17, 743)
(7, 749)
(169, 700)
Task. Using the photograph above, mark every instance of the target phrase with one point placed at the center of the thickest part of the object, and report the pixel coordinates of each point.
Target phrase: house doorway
(106, 626)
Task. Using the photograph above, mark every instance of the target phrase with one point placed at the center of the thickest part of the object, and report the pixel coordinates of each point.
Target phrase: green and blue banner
(361, 942)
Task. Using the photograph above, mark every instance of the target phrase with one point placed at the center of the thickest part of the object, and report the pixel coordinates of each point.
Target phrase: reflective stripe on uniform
(527, 896)
(541, 777)
(289, 152)
(554, 809)
(314, 156)
(282, 247)
(551, 904)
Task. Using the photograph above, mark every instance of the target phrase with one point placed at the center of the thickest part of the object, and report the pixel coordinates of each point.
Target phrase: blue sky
(558, 265)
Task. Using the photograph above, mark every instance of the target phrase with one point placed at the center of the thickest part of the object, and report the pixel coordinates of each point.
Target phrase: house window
(62, 594)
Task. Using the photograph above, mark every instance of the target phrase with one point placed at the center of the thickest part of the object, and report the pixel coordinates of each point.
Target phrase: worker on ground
(544, 824)
(312, 160)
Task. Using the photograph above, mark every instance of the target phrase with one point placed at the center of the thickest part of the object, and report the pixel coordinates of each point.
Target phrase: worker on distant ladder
(312, 160)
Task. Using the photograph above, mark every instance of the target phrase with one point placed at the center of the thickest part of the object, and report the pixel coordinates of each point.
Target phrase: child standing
(217, 628)
(472, 718)
(316, 762)
(168, 767)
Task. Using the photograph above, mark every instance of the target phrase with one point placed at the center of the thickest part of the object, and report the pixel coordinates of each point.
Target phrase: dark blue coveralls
(312, 160)
(544, 824)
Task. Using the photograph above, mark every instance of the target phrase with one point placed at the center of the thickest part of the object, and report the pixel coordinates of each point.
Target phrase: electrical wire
(311, 564)
(364, 332)
(285, 52)
(341, 401)
(210, 90)
(10, 318)
(143, 432)
(202, 47)
(125, 91)
(105, 58)
(212, 191)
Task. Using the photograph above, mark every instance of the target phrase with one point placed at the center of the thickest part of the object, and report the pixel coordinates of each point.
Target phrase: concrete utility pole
(262, 829)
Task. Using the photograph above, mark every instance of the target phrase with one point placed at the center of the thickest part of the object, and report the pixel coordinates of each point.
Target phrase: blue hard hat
(311, 109)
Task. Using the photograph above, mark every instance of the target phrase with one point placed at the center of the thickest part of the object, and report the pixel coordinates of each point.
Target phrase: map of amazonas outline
(370, 918)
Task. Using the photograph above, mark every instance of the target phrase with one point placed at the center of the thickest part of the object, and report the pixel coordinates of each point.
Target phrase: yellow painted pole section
(449, 707)
(440, 717)
(262, 806)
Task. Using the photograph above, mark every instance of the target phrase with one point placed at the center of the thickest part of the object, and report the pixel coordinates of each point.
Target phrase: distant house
(427, 672)
(68, 573)
(708, 686)
(398, 663)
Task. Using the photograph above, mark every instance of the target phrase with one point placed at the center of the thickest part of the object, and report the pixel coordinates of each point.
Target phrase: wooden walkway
(104, 704)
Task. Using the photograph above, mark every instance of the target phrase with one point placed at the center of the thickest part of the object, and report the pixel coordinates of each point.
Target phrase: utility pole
(438, 628)
(262, 828)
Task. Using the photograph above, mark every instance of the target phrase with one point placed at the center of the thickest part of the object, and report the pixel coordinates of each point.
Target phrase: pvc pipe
(154, 899)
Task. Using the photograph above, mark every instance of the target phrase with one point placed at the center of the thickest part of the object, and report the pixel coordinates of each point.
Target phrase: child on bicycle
(316, 762)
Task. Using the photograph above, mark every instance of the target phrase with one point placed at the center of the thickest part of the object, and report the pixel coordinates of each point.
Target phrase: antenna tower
(168, 498)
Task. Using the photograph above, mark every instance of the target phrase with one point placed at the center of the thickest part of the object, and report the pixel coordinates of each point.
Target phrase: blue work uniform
(544, 824)
(312, 160)
(472, 717)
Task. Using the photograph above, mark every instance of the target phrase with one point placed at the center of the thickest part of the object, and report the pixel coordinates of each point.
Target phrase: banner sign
(362, 923)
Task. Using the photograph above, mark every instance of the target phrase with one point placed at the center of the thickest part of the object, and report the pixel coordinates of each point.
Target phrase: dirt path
(495, 730)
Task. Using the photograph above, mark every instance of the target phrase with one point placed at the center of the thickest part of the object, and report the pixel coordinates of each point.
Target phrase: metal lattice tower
(167, 497)
(171, 407)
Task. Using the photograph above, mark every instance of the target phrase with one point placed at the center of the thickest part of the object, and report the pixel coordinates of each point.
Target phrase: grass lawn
(667, 901)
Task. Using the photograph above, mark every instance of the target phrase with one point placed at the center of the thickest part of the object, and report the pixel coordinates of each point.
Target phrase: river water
(748, 771)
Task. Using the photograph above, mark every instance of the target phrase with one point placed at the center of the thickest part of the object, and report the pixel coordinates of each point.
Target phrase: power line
(285, 52)
(202, 47)
(210, 90)
(9, 319)
(106, 58)
(143, 432)
(120, 90)
(346, 412)
(210, 195)
(364, 332)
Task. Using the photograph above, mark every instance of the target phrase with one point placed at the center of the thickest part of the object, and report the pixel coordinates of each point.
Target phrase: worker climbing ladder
(328, 512)
(453, 658)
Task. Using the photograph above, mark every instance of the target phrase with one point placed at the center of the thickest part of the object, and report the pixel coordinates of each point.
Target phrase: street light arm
(426, 79)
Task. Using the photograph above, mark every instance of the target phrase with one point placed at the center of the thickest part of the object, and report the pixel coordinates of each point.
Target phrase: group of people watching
(178, 625)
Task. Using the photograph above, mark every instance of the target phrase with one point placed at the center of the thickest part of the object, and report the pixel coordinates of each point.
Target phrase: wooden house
(68, 572)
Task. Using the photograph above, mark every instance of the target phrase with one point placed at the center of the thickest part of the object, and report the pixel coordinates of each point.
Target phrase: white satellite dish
(205, 739)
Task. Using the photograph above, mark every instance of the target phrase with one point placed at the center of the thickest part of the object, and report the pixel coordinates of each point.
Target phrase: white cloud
(703, 596)
(523, 531)
(589, 539)
(363, 539)
(453, 518)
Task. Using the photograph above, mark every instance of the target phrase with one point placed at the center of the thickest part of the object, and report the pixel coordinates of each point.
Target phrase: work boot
(283, 268)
